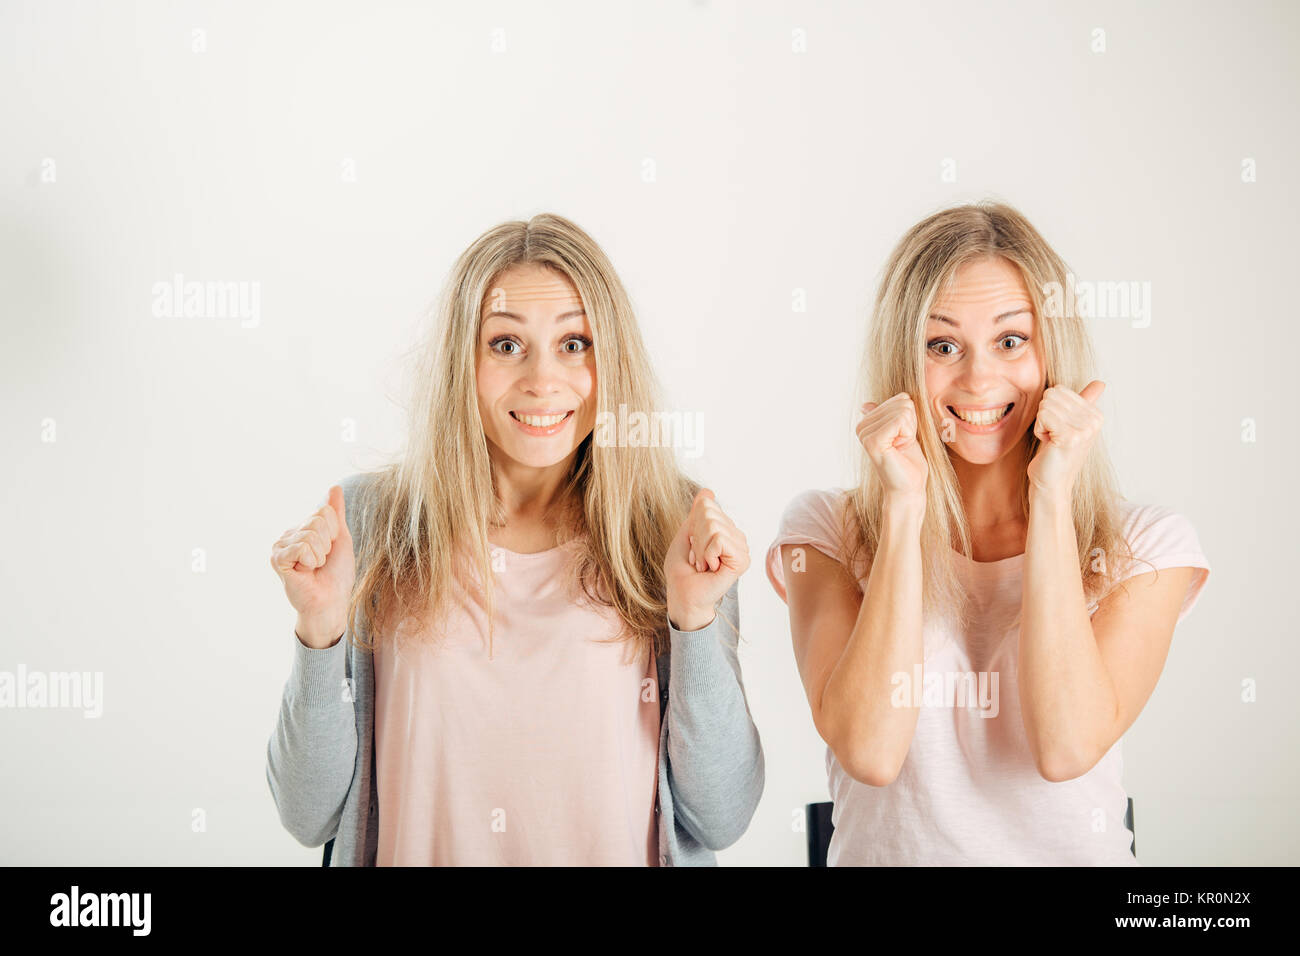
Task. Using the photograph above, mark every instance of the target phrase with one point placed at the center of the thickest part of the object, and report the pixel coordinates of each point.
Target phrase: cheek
(937, 379)
(1030, 379)
(1031, 384)
(1035, 369)
(583, 380)
(491, 382)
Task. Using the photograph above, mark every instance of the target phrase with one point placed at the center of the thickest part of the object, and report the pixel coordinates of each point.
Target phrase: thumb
(1092, 391)
(338, 503)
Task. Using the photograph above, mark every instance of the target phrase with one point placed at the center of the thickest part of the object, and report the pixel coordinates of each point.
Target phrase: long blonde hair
(438, 500)
(921, 266)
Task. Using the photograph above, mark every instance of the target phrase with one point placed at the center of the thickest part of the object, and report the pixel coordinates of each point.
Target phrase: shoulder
(1160, 537)
(358, 486)
(359, 499)
(816, 508)
(814, 517)
(1156, 532)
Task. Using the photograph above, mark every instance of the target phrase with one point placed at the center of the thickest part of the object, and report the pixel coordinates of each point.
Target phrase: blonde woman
(980, 619)
(540, 665)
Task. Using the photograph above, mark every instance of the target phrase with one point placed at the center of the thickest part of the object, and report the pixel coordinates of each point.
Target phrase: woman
(585, 707)
(969, 653)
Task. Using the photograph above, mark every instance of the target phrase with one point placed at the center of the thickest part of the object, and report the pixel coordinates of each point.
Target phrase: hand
(316, 564)
(1067, 425)
(888, 433)
(703, 562)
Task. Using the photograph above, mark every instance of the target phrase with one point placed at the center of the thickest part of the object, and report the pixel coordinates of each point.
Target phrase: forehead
(983, 284)
(523, 286)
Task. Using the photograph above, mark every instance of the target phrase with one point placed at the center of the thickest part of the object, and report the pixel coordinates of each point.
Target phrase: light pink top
(545, 755)
(968, 792)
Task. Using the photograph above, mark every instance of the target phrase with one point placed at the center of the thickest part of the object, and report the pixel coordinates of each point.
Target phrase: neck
(528, 495)
(991, 493)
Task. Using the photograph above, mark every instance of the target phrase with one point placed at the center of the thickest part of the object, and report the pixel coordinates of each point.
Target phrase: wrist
(905, 510)
(690, 619)
(1050, 499)
(318, 634)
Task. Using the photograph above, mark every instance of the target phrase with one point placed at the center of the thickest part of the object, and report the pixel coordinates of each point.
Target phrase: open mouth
(541, 421)
(983, 416)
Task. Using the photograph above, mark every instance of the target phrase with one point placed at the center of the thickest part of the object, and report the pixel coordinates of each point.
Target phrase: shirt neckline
(989, 565)
(532, 555)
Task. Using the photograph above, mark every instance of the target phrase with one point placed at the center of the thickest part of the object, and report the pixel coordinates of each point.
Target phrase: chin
(539, 458)
(975, 455)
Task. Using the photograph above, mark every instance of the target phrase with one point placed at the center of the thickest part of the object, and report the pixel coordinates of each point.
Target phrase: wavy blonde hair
(922, 265)
(438, 500)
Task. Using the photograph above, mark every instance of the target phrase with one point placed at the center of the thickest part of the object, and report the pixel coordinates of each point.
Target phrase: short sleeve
(812, 517)
(1161, 538)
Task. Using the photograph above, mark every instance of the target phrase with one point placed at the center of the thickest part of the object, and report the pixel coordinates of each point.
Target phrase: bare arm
(1084, 681)
(849, 645)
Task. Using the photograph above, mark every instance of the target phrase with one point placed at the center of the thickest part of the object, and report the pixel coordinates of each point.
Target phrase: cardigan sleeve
(715, 758)
(311, 755)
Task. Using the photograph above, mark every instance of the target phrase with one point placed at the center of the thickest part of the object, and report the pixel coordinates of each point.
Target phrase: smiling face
(536, 371)
(983, 368)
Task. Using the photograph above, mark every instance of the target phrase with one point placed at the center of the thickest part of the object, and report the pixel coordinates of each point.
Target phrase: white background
(775, 171)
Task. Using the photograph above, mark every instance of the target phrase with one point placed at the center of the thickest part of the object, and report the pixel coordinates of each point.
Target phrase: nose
(540, 374)
(979, 375)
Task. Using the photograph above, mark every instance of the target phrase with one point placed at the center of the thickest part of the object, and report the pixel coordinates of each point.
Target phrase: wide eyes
(946, 348)
(508, 345)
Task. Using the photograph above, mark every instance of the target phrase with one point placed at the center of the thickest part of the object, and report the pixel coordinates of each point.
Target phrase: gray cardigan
(320, 760)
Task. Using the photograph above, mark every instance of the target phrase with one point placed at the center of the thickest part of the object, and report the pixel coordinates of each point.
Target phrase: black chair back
(817, 824)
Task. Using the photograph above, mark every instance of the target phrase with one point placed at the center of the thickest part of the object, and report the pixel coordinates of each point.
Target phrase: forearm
(1067, 700)
(311, 754)
(715, 758)
(862, 722)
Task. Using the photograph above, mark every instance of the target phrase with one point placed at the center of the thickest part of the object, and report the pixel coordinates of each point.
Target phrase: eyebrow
(1005, 315)
(519, 318)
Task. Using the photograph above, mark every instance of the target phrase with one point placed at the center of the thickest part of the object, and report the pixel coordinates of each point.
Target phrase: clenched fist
(703, 562)
(888, 433)
(316, 563)
(1067, 425)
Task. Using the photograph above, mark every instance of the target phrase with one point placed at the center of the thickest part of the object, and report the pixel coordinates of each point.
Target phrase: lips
(981, 414)
(541, 418)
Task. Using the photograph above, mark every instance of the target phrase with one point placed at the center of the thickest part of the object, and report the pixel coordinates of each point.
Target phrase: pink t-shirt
(544, 755)
(969, 792)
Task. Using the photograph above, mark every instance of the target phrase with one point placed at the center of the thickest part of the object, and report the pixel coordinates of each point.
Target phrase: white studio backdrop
(748, 167)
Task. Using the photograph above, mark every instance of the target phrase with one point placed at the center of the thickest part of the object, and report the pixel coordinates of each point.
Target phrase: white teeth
(541, 421)
(987, 417)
